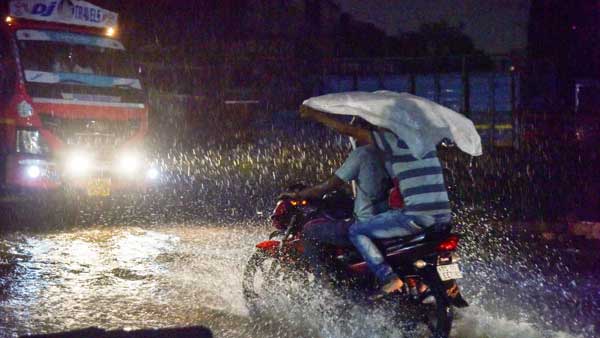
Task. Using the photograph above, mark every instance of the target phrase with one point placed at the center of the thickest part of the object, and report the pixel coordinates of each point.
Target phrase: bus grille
(99, 135)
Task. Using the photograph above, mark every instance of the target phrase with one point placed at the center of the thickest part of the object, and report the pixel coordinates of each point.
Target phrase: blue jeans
(323, 231)
(392, 223)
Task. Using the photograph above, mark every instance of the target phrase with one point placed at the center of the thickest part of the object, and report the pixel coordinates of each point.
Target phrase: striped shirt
(421, 180)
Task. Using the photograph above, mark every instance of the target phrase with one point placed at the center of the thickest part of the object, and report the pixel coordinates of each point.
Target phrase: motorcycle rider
(364, 166)
(422, 186)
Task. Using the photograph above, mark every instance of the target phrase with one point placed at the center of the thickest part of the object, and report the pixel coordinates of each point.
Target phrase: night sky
(496, 26)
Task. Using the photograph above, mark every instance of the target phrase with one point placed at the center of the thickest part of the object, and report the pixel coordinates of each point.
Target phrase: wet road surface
(173, 275)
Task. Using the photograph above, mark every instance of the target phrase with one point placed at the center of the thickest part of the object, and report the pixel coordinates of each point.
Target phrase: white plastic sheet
(421, 123)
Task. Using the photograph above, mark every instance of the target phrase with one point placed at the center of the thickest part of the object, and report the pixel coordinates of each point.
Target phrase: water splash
(164, 274)
(133, 277)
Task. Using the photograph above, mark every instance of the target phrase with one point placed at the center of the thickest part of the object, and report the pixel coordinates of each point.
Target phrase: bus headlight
(29, 142)
(33, 171)
(79, 163)
(152, 174)
(129, 162)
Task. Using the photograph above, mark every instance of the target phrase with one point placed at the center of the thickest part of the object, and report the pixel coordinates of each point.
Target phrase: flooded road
(166, 276)
(126, 278)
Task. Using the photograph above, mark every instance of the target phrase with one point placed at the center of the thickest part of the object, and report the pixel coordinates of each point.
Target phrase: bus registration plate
(99, 187)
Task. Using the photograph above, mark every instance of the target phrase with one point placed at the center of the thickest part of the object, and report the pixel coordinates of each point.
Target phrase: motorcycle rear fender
(269, 246)
(410, 253)
(402, 257)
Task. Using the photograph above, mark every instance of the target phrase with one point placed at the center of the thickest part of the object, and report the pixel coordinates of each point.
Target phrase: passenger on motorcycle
(422, 186)
(364, 166)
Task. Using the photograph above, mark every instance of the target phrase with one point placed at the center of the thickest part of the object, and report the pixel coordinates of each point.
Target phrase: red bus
(72, 109)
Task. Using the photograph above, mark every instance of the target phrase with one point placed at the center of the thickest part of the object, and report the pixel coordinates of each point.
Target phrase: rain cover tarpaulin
(421, 123)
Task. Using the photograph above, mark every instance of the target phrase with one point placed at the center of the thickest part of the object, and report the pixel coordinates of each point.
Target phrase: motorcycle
(426, 262)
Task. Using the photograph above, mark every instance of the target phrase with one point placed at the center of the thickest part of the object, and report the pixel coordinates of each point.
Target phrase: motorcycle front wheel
(259, 280)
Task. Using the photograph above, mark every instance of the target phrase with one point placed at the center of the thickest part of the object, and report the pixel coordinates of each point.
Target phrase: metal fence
(486, 89)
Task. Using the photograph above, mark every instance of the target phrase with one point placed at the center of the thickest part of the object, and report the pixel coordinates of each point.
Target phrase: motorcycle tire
(260, 266)
(429, 316)
(438, 314)
(441, 325)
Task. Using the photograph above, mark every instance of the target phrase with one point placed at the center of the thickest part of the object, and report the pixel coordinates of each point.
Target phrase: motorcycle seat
(428, 234)
(395, 241)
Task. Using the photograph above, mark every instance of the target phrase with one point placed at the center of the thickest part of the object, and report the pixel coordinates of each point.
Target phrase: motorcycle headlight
(30, 142)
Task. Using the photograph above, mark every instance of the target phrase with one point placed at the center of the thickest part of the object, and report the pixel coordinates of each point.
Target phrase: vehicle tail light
(449, 244)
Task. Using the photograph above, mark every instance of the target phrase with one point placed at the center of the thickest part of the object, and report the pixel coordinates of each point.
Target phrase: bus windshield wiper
(71, 81)
(125, 86)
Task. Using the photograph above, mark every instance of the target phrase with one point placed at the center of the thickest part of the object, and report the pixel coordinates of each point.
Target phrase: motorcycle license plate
(450, 271)
(99, 187)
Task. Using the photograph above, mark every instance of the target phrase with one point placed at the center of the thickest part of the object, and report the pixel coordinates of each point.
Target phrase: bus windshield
(78, 59)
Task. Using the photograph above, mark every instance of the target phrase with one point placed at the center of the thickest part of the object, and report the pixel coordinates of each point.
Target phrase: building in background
(563, 50)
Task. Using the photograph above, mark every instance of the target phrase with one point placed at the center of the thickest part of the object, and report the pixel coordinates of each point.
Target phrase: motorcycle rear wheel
(441, 323)
(432, 320)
